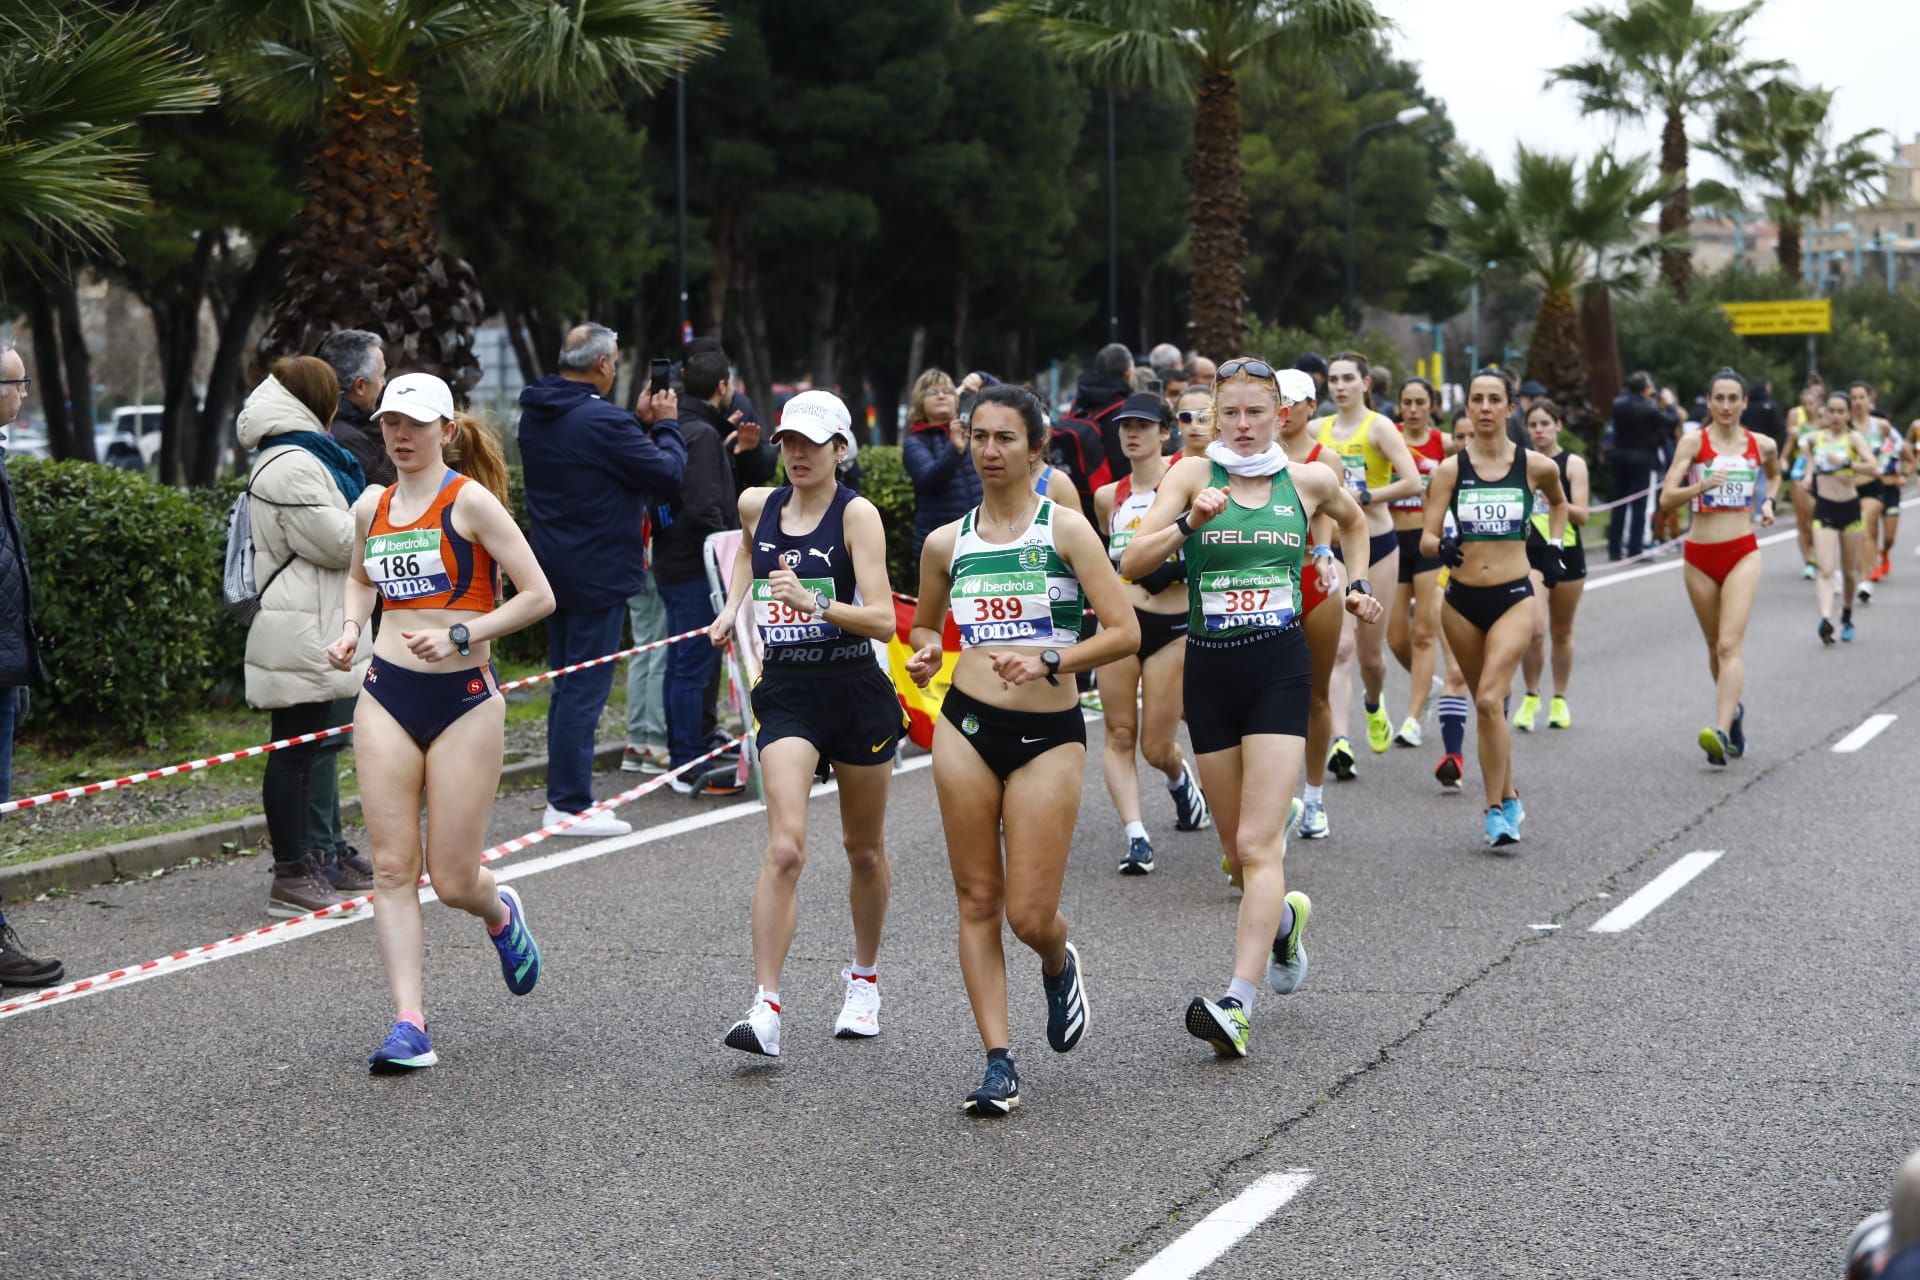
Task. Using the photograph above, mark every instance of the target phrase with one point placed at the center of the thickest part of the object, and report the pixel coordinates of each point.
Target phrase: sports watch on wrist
(1361, 585)
(1050, 659)
(461, 638)
(820, 603)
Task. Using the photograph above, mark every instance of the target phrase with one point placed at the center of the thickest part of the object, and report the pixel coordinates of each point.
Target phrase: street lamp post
(1406, 116)
(1113, 226)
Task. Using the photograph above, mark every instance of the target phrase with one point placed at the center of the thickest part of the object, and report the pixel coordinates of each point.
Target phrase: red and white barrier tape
(1647, 492)
(228, 757)
(206, 951)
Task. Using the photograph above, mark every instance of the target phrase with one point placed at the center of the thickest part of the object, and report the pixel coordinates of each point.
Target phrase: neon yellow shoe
(1379, 729)
(1559, 716)
(1529, 707)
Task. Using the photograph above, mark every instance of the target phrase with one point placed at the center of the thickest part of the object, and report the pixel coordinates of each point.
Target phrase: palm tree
(1776, 135)
(1670, 58)
(1204, 51)
(1565, 229)
(365, 252)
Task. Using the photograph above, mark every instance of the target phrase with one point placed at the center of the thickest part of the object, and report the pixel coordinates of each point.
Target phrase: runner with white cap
(430, 722)
(814, 562)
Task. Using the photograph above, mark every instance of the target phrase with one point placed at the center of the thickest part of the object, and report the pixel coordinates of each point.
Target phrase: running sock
(1286, 922)
(1453, 724)
(1372, 704)
(1002, 1055)
(866, 973)
(1136, 831)
(1312, 794)
(1181, 781)
(1242, 992)
(772, 998)
(414, 1017)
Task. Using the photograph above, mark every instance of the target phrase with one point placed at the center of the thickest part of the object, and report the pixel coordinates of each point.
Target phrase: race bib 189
(1232, 598)
(407, 565)
(1491, 512)
(781, 623)
(1002, 606)
(1735, 492)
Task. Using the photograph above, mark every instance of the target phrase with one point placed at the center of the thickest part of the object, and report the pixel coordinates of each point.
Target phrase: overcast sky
(1488, 61)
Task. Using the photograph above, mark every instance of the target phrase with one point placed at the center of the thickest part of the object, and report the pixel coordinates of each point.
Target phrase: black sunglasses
(1247, 365)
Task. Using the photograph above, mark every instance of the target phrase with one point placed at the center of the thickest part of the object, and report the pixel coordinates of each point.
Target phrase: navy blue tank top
(793, 642)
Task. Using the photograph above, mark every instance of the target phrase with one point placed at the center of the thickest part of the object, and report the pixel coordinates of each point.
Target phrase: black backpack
(1076, 446)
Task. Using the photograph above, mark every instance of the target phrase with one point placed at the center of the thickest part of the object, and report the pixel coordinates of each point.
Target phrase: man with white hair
(1166, 360)
(359, 361)
(19, 663)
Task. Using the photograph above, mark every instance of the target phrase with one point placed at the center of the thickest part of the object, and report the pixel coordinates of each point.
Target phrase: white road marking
(1869, 729)
(1219, 1231)
(1598, 580)
(1656, 891)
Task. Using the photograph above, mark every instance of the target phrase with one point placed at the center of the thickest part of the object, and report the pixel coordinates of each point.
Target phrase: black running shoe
(1190, 804)
(1826, 631)
(1340, 759)
(998, 1094)
(1139, 859)
(1737, 735)
(1066, 1005)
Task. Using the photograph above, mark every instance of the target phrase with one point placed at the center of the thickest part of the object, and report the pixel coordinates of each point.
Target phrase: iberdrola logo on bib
(1031, 557)
(970, 725)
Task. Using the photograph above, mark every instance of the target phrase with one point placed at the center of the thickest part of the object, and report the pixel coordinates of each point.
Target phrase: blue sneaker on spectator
(519, 953)
(406, 1049)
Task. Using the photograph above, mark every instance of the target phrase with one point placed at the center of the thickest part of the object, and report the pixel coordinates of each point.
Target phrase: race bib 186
(1232, 598)
(1491, 512)
(407, 565)
(781, 623)
(1002, 606)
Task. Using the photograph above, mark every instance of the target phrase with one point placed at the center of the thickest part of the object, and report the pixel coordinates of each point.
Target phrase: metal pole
(1739, 237)
(1352, 306)
(680, 191)
(1473, 348)
(1113, 224)
(1855, 278)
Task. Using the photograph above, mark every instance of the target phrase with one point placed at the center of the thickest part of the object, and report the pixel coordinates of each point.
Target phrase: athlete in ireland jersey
(1149, 679)
(1240, 515)
(1488, 487)
(1009, 750)
(1717, 470)
(815, 564)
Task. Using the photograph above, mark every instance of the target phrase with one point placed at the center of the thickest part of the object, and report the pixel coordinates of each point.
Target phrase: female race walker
(1554, 607)
(1159, 603)
(1010, 749)
(1371, 453)
(1803, 420)
(1240, 517)
(1413, 622)
(816, 565)
(1839, 461)
(1721, 463)
(1874, 429)
(1488, 488)
(430, 721)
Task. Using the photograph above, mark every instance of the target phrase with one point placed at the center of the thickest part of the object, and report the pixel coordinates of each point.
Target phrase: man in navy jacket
(592, 470)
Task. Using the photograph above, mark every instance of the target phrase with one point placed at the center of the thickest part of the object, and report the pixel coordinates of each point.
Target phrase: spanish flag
(921, 705)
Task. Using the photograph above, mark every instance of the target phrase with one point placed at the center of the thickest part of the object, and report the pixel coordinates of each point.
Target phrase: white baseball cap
(1296, 386)
(420, 396)
(818, 416)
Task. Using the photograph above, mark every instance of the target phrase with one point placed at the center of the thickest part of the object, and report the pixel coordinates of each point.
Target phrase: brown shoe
(300, 887)
(21, 968)
(349, 873)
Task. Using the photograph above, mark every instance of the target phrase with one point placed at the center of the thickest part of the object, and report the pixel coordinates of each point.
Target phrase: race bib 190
(781, 623)
(407, 565)
(990, 607)
(1491, 512)
(1232, 598)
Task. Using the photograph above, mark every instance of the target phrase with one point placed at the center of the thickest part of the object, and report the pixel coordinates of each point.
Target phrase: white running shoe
(1409, 735)
(758, 1032)
(860, 1012)
(600, 824)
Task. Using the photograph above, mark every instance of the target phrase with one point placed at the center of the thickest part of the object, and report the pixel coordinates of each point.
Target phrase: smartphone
(1156, 385)
(658, 375)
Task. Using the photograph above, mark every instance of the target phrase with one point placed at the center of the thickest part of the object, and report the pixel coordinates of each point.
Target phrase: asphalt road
(1723, 1089)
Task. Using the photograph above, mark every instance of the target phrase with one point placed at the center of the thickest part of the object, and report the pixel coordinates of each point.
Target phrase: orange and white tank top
(1741, 471)
(427, 564)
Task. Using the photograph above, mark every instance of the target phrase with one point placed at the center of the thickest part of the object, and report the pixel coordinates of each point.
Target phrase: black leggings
(285, 788)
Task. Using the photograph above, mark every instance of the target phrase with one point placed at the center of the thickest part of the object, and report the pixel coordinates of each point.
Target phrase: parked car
(132, 437)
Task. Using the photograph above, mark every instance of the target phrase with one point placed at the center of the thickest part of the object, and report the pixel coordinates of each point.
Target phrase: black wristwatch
(1181, 523)
(1050, 658)
(461, 637)
(1361, 585)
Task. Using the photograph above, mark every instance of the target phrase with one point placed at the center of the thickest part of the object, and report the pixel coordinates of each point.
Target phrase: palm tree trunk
(365, 253)
(1555, 356)
(1788, 250)
(1217, 219)
(1676, 211)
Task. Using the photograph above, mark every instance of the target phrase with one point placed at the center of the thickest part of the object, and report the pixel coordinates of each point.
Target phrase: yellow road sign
(1793, 315)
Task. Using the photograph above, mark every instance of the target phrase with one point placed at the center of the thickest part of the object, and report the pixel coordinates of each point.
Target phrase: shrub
(529, 644)
(126, 577)
(884, 482)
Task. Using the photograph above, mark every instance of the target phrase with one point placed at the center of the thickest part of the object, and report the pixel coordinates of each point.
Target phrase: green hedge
(885, 483)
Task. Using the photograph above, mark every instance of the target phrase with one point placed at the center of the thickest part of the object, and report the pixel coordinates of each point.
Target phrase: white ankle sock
(1136, 831)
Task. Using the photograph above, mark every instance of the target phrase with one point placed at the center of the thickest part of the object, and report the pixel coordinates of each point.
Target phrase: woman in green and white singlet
(1010, 747)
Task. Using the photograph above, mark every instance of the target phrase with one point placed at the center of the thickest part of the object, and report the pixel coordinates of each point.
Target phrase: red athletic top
(1742, 471)
(1427, 458)
(426, 564)
(1311, 596)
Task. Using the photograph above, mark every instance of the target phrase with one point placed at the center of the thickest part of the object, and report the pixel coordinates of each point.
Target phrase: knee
(786, 856)
(1726, 651)
(1563, 635)
(1491, 706)
(980, 904)
(1424, 633)
(866, 860)
(1031, 924)
(390, 874)
(1121, 736)
(1161, 754)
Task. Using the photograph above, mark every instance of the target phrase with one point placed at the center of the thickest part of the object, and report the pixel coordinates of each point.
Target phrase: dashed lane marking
(1656, 891)
(1869, 729)
(1219, 1231)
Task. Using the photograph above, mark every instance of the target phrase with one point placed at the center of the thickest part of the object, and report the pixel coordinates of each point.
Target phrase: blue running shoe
(998, 1094)
(1189, 804)
(1139, 859)
(1499, 830)
(1737, 735)
(1313, 821)
(1846, 630)
(406, 1049)
(1066, 1004)
(519, 953)
(1516, 813)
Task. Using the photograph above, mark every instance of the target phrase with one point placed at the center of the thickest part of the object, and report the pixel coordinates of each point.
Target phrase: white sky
(1488, 61)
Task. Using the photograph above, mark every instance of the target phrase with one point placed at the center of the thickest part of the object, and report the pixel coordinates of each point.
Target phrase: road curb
(131, 859)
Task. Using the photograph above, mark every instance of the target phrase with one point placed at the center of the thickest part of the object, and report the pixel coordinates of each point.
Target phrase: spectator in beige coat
(304, 485)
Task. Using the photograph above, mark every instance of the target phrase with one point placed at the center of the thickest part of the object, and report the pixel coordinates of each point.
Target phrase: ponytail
(475, 453)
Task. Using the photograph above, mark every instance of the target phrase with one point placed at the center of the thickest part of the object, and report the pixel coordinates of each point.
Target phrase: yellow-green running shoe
(1559, 715)
(1523, 718)
(1287, 963)
(1714, 743)
(1223, 1025)
(1379, 729)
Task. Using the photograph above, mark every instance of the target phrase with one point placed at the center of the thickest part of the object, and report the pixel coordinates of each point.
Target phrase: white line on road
(1869, 729)
(1598, 580)
(1658, 890)
(1225, 1227)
